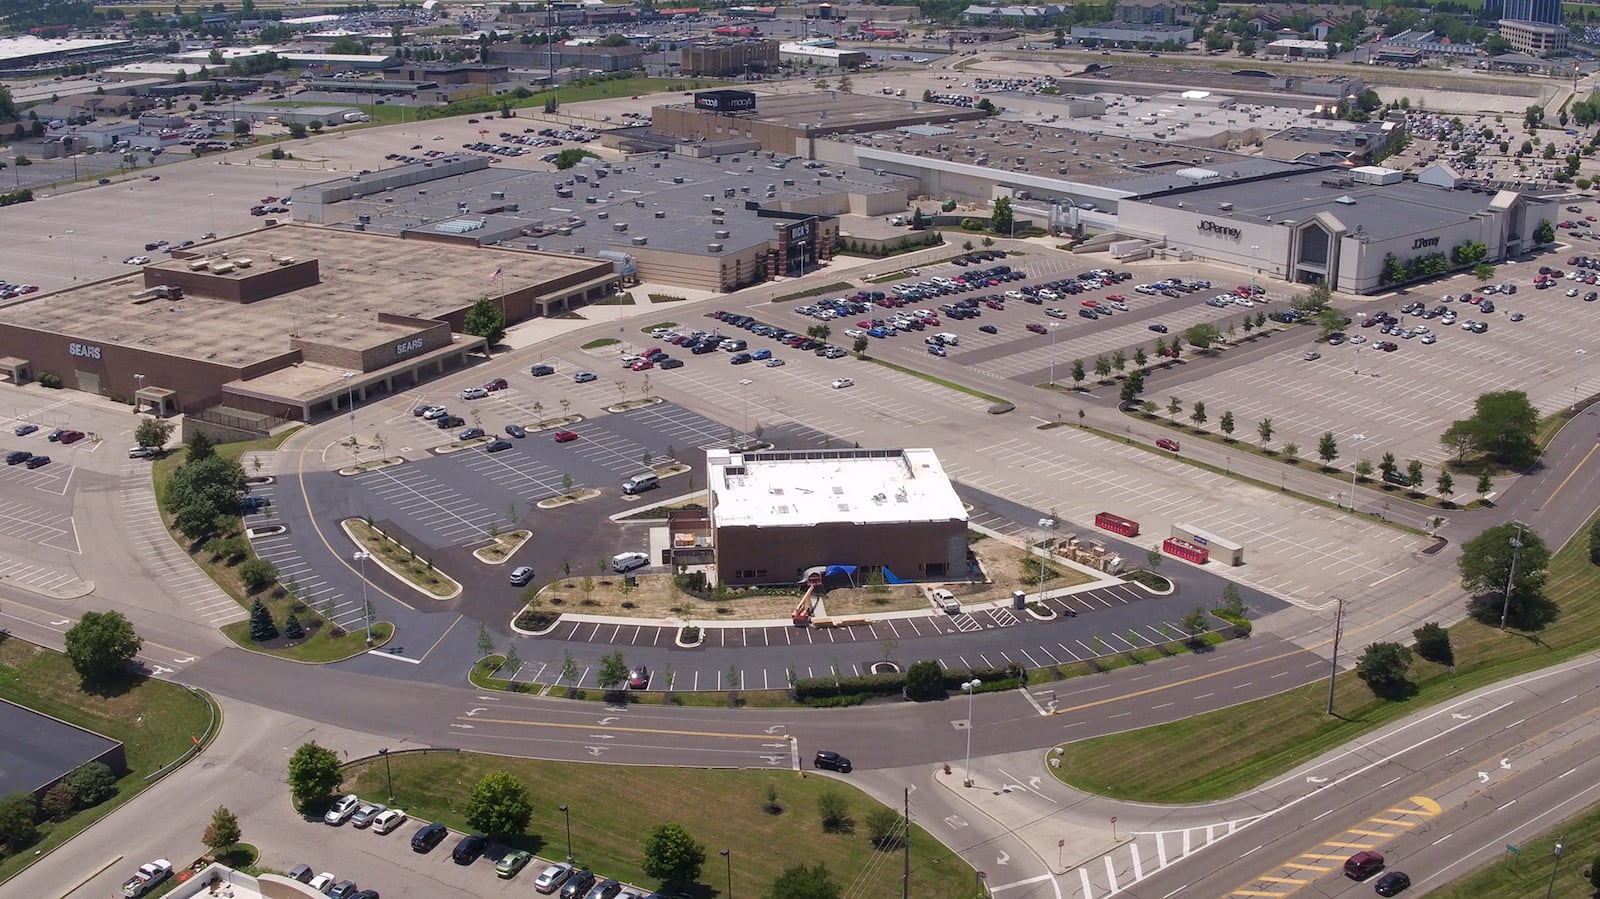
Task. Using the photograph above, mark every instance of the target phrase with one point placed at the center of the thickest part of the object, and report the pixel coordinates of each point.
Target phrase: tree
(1140, 360)
(671, 855)
(485, 320)
(1264, 431)
(58, 802)
(92, 783)
(292, 628)
(18, 814)
(1174, 406)
(1329, 321)
(152, 432)
(1078, 372)
(1388, 466)
(1483, 271)
(924, 681)
(1327, 448)
(1232, 603)
(262, 627)
(1226, 424)
(257, 574)
(200, 447)
(1102, 367)
(802, 882)
(499, 805)
(1545, 233)
(834, 810)
(1433, 644)
(1461, 438)
(313, 774)
(1202, 336)
(1445, 486)
(1364, 469)
(884, 828)
(102, 646)
(1503, 425)
(1291, 451)
(1132, 387)
(1198, 416)
(1119, 360)
(1196, 622)
(1001, 220)
(1414, 474)
(223, 831)
(1175, 346)
(613, 671)
(1485, 565)
(1486, 487)
(1385, 668)
(1160, 348)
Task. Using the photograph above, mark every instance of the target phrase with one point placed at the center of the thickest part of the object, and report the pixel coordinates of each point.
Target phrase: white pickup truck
(945, 601)
(149, 876)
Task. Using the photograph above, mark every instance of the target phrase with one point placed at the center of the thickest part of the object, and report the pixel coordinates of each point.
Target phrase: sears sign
(83, 350)
(408, 346)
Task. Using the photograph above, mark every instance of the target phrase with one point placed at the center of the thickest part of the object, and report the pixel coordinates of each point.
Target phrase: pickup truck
(149, 876)
(945, 601)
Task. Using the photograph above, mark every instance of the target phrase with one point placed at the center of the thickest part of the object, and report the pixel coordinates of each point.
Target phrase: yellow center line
(1551, 498)
(629, 730)
(1331, 858)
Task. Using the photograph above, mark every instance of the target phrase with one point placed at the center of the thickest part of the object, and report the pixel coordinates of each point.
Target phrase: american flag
(495, 277)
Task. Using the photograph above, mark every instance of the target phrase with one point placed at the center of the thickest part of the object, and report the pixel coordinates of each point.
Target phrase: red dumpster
(1185, 550)
(1116, 524)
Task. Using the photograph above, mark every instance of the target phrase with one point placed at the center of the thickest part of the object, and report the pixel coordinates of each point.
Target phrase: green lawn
(577, 92)
(613, 809)
(1180, 761)
(155, 720)
(933, 379)
(1513, 878)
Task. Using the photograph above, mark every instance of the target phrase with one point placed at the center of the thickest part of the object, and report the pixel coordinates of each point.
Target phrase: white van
(948, 338)
(639, 483)
(623, 562)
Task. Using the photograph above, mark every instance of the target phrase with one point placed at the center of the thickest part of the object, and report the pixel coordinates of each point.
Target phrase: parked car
(323, 882)
(566, 436)
(367, 813)
(429, 836)
(584, 377)
(496, 384)
(469, 849)
(577, 885)
(512, 862)
(517, 431)
(25, 430)
(521, 576)
(841, 383)
(833, 761)
(344, 889)
(474, 393)
(539, 371)
(388, 820)
(470, 434)
(149, 876)
(551, 878)
(605, 889)
(17, 457)
(625, 562)
(497, 445)
(342, 810)
(639, 677)
(38, 462)
(1167, 444)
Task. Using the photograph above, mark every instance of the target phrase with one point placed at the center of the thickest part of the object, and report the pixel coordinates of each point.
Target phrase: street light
(362, 556)
(1516, 550)
(387, 774)
(1556, 865)
(729, 856)
(970, 687)
(1354, 438)
(744, 385)
(138, 380)
(213, 202)
(1053, 327)
(72, 251)
(568, 816)
(1255, 259)
(350, 398)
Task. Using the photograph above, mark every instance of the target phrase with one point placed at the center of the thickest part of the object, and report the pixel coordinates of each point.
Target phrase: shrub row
(812, 689)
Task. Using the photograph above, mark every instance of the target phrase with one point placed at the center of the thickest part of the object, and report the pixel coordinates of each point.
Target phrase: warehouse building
(790, 124)
(289, 322)
(776, 514)
(724, 58)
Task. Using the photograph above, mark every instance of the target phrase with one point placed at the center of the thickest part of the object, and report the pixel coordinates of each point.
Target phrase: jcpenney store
(1331, 225)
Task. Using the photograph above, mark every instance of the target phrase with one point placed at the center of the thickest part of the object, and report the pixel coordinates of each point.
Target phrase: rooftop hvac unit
(661, 213)
(638, 204)
(221, 268)
(745, 189)
(196, 265)
(722, 235)
(728, 192)
(513, 207)
(788, 182)
(580, 249)
(677, 179)
(619, 227)
(655, 165)
(564, 193)
(713, 248)
(591, 199)
(718, 210)
(361, 226)
(640, 241)
(286, 260)
(364, 219)
(717, 220)
(581, 178)
(497, 195)
(1225, 207)
(709, 198)
(244, 262)
(602, 215)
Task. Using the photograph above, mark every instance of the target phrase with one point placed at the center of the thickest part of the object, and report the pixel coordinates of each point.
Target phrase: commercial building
(1294, 48)
(1133, 34)
(776, 514)
(729, 58)
(713, 223)
(1360, 144)
(822, 56)
(27, 51)
(1328, 224)
(1534, 38)
(37, 751)
(288, 322)
(792, 124)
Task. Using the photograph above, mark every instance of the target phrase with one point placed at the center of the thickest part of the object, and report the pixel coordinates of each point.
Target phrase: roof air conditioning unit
(602, 215)
(713, 248)
(619, 227)
(723, 235)
(640, 241)
(661, 214)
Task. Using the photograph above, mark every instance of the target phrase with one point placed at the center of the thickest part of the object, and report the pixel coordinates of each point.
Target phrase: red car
(566, 436)
(496, 384)
(1119, 298)
(1167, 444)
(1037, 328)
(70, 436)
(642, 365)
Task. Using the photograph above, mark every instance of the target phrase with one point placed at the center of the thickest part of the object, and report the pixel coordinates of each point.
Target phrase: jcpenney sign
(1211, 227)
(1423, 242)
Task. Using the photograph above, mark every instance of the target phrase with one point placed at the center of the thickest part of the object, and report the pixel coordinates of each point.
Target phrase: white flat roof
(801, 488)
(227, 53)
(12, 48)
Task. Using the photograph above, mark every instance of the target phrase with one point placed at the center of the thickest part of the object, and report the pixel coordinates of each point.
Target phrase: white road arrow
(61, 622)
(158, 670)
(1034, 782)
(471, 713)
(775, 745)
(1459, 717)
(1319, 781)
(601, 737)
(488, 699)
(1483, 777)
(183, 661)
(462, 726)
(773, 759)
(1506, 764)
(1003, 858)
(608, 719)
(595, 750)
(775, 728)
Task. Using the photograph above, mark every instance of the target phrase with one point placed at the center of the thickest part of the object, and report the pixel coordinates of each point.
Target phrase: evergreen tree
(261, 626)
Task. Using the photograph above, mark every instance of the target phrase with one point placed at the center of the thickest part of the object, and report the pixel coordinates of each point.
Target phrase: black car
(17, 457)
(469, 849)
(450, 421)
(605, 889)
(670, 363)
(38, 461)
(989, 329)
(1392, 884)
(577, 886)
(517, 431)
(539, 371)
(428, 837)
(827, 758)
(1159, 329)
(496, 445)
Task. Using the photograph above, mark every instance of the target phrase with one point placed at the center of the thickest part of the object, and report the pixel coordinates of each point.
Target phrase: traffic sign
(1513, 850)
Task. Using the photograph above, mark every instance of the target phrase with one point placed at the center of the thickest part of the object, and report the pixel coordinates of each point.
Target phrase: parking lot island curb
(521, 535)
(379, 561)
(350, 471)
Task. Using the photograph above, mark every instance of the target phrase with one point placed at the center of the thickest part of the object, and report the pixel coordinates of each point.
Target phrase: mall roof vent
(1346, 200)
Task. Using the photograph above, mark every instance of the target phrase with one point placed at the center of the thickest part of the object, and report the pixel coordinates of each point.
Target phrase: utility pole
(1333, 668)
(905, 849)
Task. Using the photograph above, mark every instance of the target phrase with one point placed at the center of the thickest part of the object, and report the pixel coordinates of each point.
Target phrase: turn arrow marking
(462, 726)
(183, 661)
(1034, 782)
(1459, 717)
(775, 728)
(473, 712)
(1319, 781)
(1003, 858)
(608, 719)
(1483, 777)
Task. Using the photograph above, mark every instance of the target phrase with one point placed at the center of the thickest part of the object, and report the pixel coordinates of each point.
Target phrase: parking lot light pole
(138, 380)
(744, 388)
(1554, 867)
(1255, 263)
(729, 856)
(1053, 327)
(350, 397)
(1516, 550)
(1354, 438)
(568, 816)
(970, 687)
(387, 774)
(362, 556)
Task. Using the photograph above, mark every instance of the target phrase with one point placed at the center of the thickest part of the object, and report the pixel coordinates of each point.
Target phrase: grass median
(614, 808)
(1519, 877)
(156, 721)
(934, 379)
(1219, 754)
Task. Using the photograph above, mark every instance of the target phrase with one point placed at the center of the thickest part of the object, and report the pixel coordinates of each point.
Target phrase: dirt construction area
(654, 598)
